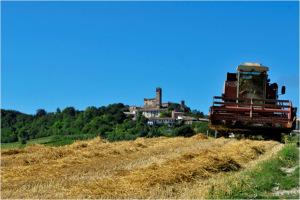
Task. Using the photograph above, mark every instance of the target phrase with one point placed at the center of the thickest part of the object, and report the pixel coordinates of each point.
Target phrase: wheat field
(145, 168)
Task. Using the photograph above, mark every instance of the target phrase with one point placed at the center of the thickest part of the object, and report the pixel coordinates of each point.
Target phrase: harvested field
(144, 168)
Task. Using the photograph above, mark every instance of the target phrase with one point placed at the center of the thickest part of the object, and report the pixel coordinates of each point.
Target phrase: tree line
(109, 122)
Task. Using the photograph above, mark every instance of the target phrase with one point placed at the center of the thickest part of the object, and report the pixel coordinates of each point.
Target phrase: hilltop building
(154, 102)
(154, 107)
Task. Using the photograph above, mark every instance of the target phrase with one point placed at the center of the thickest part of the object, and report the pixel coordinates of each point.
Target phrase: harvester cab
(250, 104)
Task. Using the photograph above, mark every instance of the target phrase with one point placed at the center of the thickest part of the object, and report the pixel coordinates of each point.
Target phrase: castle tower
(158, 97)
(182, 104)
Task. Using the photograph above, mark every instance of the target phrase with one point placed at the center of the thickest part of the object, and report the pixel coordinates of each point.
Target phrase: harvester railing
(252, 110)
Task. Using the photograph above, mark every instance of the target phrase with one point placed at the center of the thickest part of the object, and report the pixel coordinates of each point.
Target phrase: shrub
(201, 127)
(117, 136)
(289, 155)
(185, 130)
(23, 136)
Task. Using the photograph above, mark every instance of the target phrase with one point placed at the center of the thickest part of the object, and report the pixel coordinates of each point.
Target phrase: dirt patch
(11, 152)
(288, 170)
(286, 192)
(200, 136)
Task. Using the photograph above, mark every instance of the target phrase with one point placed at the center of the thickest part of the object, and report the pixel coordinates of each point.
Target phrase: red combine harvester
(250, 105)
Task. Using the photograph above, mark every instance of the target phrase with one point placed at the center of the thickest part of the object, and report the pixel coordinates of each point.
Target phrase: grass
(60, 140)
(54, 140)
(12, 145)
(259, 182)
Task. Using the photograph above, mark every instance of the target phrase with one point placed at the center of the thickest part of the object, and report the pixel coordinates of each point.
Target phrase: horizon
(81, 54)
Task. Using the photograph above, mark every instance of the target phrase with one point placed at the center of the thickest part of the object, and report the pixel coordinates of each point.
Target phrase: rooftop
(248, 67)
(152, 109)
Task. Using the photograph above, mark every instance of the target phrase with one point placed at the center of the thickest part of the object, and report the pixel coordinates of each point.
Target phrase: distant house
(161, 120)
(187, 119)
(151, 112)
(176, 114)
(203, 119)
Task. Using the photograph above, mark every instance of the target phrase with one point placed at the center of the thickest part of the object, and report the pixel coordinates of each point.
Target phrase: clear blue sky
(58, 54)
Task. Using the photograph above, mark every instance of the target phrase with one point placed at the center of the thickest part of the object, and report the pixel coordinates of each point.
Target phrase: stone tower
(158, 97)
(182, 104)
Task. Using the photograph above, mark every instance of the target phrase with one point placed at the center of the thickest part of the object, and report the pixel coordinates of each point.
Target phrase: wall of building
(154, 102)
(150, 103)
(168, 121)
(175, 115)
(158, 97)
(151, 113)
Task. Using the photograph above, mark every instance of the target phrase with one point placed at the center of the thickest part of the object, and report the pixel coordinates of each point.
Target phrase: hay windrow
(128, 169)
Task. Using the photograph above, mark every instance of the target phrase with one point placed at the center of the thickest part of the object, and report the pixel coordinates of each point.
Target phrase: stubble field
(145, 168)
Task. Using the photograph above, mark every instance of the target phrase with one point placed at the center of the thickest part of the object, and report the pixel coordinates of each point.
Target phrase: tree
(58, 111)
(196, 114)
(184, 130)
(8, 135)
(69, 111)
(140, 118)
(174, 106)
(40, 112)
(23, 136)
(201, 127)
(153, 132)
(165, 114)
(90, 113)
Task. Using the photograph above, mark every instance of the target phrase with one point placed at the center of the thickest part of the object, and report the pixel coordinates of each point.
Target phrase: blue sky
(58, 54)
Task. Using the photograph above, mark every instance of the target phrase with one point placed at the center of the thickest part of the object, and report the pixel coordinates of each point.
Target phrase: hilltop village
(113, 122)
(158, 112)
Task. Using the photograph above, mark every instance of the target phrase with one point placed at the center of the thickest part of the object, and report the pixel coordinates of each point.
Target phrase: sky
(59, 54)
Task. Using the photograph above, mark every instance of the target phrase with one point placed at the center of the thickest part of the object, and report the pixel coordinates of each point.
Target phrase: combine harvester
(250, 106)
